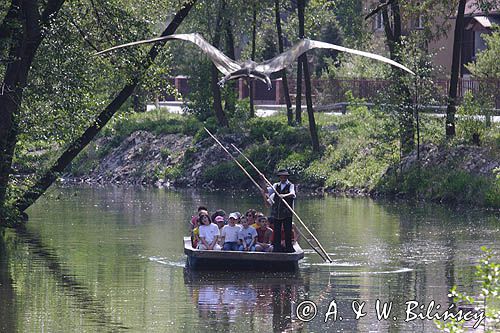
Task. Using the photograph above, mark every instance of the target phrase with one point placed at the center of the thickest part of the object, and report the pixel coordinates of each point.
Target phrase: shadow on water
(7, 304)
(239, 301)
(91, 307)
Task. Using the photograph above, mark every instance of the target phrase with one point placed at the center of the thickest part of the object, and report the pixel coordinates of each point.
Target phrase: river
(110, 259)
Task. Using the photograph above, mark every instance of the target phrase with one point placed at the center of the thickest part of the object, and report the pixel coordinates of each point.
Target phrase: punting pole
(235, 160)
(321, 251)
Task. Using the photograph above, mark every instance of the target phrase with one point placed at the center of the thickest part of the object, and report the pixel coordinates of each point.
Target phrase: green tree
(486, 65)
(50, 76)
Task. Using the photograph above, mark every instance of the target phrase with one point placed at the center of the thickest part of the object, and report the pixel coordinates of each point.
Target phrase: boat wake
(167, 262)
(397, 271)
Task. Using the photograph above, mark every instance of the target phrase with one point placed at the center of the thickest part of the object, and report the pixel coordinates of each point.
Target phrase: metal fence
(327, 91)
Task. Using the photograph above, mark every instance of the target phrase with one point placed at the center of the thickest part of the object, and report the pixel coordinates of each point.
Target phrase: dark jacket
(279, 209)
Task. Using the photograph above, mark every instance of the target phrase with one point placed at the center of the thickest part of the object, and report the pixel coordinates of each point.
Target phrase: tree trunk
(251, 82)
(286, 93)
(406, 118)
(310, 112)
(102, 119)
(216, 94)
(307, 80)
(300, 61)
(231, 96)
(455, 70)
(22, 28)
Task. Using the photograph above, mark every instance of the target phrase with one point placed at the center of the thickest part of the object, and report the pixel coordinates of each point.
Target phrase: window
(379, 21)
(419, 22)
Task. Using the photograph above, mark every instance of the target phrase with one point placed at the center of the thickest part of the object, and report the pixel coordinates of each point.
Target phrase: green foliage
(297, 162)
(200, 99)
(443, 185)
(157, 122)
(224, 174)
(486, 65)
(277, 132)
(492, 196)
(470, 127)
(488, 277)
(172, 172)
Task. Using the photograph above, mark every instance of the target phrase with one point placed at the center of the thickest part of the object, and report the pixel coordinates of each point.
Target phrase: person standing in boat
(284, 190)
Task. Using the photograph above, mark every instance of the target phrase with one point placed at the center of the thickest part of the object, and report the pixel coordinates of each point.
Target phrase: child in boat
(264, 236)
(229, 234)
(219, 212)
(219, 220)
(250, 215)
(247, 236)
(194, 218)
(209, 233)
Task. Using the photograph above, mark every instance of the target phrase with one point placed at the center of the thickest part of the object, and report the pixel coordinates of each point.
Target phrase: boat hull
(239, 260)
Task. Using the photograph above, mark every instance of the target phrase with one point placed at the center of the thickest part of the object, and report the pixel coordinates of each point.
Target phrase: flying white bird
(260, 71)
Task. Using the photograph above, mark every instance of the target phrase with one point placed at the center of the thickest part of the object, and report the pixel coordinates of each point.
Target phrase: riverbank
(359, 156)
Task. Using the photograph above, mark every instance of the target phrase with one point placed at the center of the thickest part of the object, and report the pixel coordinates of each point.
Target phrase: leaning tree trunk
(102, 119)
(286, 93)
(22, 28)
(455, 70)
(307, 80)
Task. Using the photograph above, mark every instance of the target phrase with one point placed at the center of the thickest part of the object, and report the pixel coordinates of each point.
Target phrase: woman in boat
(209, 233)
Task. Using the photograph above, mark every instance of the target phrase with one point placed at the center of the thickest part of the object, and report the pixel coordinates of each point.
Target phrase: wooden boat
(239, 260)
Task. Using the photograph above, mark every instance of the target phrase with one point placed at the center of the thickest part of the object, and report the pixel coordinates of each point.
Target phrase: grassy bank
(359, 154)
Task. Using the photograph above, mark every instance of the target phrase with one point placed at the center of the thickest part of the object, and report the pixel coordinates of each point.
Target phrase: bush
(224, 174)
(444, 185)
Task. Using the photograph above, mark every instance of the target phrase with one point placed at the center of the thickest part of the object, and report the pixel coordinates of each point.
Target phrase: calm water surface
(111, 259)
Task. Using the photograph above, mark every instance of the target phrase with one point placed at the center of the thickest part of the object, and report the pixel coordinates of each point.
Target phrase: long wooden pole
(326, 257)
(235, 160)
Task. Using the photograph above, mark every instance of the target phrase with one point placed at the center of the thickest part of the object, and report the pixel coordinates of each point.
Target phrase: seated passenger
(247, 236)
(219, 212)
(195, 233)
(209, 233)
(250, 215)
(220, 222)
(229, 234)
(264, 236)
(194, 218)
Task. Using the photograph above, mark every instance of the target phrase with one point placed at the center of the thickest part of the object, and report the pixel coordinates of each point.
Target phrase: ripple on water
(167, 262)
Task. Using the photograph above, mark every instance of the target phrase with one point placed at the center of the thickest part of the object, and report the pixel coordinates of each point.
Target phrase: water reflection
(246, 301)
(92, 308)
(8, 313)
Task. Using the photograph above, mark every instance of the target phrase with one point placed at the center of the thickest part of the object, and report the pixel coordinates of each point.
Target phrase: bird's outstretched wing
(286, 58)
(223, 63)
